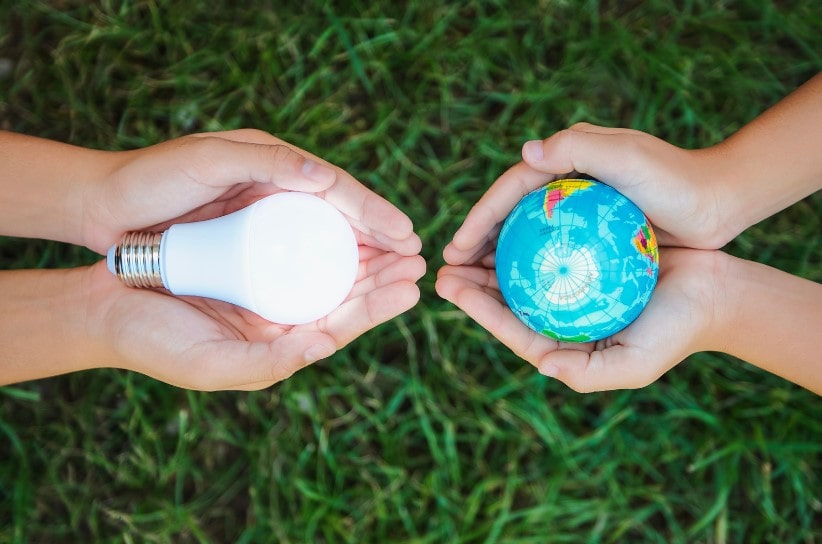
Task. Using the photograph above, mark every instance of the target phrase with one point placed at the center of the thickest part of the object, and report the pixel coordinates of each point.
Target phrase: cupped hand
(674, 187)
(680, 319)
(204, 344)
(202, 176)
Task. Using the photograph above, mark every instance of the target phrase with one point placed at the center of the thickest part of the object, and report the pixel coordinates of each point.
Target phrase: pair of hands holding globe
(697, 200)
(664, 181)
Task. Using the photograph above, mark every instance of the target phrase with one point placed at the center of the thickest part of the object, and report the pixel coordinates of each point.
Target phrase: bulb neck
(136, 259)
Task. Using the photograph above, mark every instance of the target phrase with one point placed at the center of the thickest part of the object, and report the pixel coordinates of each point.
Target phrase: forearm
(43, 184)
(773, 161)
(44, 324)
(774, 320)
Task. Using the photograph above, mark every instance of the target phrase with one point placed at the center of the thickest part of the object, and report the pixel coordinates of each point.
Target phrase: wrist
(83, 295)
(46, 186)
(92, 194)
(717, 175)
(94, 292)
(49, 334)
(722, 292)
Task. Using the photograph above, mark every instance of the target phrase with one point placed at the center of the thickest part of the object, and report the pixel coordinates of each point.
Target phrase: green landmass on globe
(576, 260)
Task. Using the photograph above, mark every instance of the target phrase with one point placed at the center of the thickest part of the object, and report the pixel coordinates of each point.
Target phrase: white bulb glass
(291, 258)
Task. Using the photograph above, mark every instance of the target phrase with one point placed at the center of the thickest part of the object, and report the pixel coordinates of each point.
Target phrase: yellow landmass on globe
(557, 190)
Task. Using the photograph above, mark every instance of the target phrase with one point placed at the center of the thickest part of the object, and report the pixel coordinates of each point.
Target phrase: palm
(664, 334)
(202, 343)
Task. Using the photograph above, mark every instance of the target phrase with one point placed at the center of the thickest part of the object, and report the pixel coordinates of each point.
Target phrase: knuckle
(281, 371)
(282, 154)
(581, 126)
(278, 151)
(566, 134)
(567, 139)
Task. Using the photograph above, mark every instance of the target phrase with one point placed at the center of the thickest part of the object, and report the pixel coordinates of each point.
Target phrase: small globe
(576, 260)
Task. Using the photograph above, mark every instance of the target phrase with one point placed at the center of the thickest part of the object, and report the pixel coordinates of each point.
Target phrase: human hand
(208, 175)
(205, 344)
(674, 187)
(683, 316)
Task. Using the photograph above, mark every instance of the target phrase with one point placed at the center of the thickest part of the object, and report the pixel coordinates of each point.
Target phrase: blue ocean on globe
(576, 260)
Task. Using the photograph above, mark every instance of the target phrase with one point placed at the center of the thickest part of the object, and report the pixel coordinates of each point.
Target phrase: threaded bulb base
(136, 259)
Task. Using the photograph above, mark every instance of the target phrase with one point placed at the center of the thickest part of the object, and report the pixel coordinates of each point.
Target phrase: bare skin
(68, 320)
(698, 200)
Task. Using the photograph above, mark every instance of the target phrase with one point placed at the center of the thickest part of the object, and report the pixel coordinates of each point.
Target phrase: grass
(425, 430)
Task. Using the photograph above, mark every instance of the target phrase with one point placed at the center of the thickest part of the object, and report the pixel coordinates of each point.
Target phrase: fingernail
(551, 370)
(317, 352)
(318, 172)
(533, 150)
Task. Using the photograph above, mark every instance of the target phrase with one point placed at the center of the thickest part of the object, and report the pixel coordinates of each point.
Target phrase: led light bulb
(290, 257)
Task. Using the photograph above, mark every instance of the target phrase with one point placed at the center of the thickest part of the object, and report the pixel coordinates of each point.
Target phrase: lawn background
(426, 429)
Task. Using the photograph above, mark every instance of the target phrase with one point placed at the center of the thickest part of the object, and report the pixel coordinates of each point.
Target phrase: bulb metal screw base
(136, 259)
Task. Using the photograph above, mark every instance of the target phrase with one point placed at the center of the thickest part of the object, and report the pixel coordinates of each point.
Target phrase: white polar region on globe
(573, 271)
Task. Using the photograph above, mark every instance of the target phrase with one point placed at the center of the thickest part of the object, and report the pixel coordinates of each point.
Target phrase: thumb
(231, 162)
(616, 156)
(234, 363)
(616, 367)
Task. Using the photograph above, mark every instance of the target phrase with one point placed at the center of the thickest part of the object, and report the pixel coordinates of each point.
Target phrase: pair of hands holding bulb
(192, 342)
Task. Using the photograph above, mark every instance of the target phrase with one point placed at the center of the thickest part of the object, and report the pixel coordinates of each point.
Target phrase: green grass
(426, 429)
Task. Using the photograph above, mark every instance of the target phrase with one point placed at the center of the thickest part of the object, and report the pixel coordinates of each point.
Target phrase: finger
(490, 260)
(369, 252)
(480, 276)
(616, 367)
(367, 211)
(494, 206)
(374, 216)
(361, 314)
(373, 258)
(455, 256)
(391, 268)
(458, 279)
(493, 315)
(247, 135)
(371, 264)
(410, 245)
